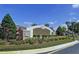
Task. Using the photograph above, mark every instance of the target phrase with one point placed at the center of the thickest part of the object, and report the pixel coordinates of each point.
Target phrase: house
(38, 31)
(19, 32)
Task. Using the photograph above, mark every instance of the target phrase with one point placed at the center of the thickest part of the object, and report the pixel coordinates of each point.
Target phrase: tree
(47, 25)
(60, 31)
(1, 31)
(68, 24)
(76, 29)
(73, 27)
(8, 27)
(34, 24)
(63, 29)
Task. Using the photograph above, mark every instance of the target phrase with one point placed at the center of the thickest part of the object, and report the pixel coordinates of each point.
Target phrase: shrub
(17, 42)
(25, 47)
(3, 42)
(30, 41)
(40, 40)
(33, 43)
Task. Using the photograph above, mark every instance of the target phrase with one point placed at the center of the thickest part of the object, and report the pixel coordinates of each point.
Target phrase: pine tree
(9, 27)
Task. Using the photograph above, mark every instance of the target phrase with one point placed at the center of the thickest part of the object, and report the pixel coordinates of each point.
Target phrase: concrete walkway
(43, 50)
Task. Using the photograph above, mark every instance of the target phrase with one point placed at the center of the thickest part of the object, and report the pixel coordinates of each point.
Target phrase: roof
(40, 26)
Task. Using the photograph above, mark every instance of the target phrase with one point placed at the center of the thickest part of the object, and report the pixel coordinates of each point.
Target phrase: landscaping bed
(33, 43)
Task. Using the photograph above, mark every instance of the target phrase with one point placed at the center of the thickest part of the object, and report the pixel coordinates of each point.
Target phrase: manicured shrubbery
(17, 42)
(33, 43)
(2, 42)
(32, 46)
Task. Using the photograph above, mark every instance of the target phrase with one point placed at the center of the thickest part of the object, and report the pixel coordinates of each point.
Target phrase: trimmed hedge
(33, 46)
(2, 42)
(33, 43)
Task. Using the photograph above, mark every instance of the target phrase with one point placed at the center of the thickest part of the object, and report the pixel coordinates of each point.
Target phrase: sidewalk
(43, 50)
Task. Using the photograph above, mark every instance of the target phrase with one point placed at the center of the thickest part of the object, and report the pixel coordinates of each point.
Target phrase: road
(71, 50)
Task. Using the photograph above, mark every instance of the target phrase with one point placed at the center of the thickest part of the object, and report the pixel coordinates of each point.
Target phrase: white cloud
(75, 6)
(29, 23)
(77, 20)
(64, 25)
(55, 28)
(52, 22)
(72, 13)
(74, 18)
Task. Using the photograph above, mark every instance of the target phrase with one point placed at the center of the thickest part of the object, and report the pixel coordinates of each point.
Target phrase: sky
(53, 14)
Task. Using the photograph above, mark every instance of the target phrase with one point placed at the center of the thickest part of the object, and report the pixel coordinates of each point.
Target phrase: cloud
(74, 18)
(72, 13)
(77, 20)
(64, 25)
(28, 23)
(55, 28)
(52, 22)
(75, 6)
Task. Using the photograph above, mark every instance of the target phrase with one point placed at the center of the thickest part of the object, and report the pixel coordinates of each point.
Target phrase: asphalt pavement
(70, 50)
